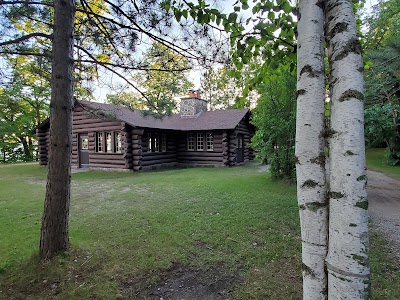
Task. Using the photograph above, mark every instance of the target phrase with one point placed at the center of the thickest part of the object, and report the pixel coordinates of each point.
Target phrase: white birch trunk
(310, 167)
(347, 260)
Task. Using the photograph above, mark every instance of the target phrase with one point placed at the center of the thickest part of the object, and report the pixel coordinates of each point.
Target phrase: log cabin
(111, 136)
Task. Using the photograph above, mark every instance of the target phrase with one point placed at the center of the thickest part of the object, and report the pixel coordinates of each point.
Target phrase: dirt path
(384, 207)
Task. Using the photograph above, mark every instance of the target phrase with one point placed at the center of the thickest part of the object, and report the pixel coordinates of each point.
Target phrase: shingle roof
(208, 120)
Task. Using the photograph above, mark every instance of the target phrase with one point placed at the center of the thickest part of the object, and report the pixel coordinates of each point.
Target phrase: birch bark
(54, 231)
(347, 260)
(310, 167)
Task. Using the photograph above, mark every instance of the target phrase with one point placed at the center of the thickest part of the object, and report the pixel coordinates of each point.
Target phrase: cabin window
(200, 142)
(239, 142)
(190, 142)
(109, 142)
(156, 143)
(117, 142)
(163, 142)
(84, 143)
(149, 143)
(99, 142)
(210, 141)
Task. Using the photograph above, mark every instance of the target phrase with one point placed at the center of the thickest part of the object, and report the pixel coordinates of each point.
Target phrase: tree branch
(138, 68)
(27, 53)
(26, 37)
(25, 2)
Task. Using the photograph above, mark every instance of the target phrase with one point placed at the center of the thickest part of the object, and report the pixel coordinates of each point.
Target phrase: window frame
(117, 137)
(209, 141)
(100, 142)
(149, 142)
(108, 137)
(199, 141)
(190, 142)
(156, 142)
(163, 142)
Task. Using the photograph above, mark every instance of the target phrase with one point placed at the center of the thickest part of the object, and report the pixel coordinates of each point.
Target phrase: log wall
(82, 123)
(243, 128)
(158, 158)
(134, 153)
(42, 135)
(186, 157)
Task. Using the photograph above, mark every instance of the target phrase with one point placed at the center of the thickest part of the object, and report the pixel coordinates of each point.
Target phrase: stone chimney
(192, 105)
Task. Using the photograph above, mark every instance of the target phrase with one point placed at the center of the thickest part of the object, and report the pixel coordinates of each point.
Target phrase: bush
(275, 119)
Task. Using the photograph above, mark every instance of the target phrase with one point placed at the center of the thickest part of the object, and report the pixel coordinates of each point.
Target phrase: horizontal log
(213, 159)
(138, 131)
(96, 121)
(105, 155)
(136, 163)
(196, 154)
(137, 168)
(145, 153)
(127, 155)
(95, 129)
(106, 161)
(136, 137)
(158, 157)
(101, 165)
(157, 162)
(137, 152)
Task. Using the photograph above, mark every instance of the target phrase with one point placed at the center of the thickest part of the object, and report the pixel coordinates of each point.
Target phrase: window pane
(190, 141)
(149, 143)
(108, 142)
(210, 141)
(200, 142)
(117, 142)
(156, 143)
(84, 143)
(99, 142)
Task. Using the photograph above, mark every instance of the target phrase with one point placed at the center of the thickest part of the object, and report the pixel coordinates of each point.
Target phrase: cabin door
(239, 148)
(83, 150)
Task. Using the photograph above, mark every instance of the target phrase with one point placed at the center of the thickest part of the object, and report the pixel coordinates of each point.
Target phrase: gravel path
(384, 207)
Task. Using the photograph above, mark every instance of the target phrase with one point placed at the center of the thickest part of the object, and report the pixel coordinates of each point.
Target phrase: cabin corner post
(232, 148)
(126, 140)
(137, 157)
(225, 148)
(42, 137)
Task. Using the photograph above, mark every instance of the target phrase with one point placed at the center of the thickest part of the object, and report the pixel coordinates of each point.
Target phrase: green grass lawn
(232, 230)
(376, 162)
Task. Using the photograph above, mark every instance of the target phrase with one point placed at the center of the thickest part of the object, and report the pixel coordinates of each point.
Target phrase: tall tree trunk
(310, 166)
(54, 232)
(347, 260)
(27, 152)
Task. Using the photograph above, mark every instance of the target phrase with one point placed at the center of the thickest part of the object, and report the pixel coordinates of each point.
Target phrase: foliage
(272, 24)
(163, 80)
(382, 77)
(23, 105)
(382, 123)
(218, 88)
(275, 120)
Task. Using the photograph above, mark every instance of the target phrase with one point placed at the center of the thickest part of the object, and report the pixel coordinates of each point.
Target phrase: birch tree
(347, 260)
(310, 166)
